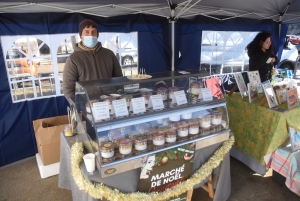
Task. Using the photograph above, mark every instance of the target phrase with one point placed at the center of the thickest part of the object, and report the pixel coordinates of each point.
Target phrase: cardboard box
(47, 134)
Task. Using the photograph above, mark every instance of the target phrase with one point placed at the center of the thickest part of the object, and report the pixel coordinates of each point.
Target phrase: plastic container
(183, 129)
(125, 146)
(171, 136)
(68, 130)
(107, 149)
(172, 90)
(163, 92)
(140, 143)
(146, 95)
(127, 99)
(216, 117)
(159, 138)
(205, 121)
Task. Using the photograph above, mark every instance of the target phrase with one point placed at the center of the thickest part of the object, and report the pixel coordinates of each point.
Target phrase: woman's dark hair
(258, 40)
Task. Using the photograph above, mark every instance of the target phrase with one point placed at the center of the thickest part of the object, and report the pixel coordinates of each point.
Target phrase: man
(90, 61)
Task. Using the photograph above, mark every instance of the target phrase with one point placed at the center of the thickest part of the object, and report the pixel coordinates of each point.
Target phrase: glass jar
(186, 116)
(109, 100)
(140, 143)
(165, 122)
(87, 105)
(159, 138)
(195, 88)
(146, 95)
(143, 127)
(150, 134)
(194, 128)
(204, 131)
(125, 146)
(174, 118)
(216, 117)
(68, 130)
(127, 99)
(107, 149)
(171, 91)
(215, 129)
(183, 129)
(205, 121)
(113, 132)
(171, 136)
(163, 92)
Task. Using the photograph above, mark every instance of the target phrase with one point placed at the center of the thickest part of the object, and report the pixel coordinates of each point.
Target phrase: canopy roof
(285, 11)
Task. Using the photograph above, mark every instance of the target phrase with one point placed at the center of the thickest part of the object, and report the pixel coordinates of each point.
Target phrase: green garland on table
(101, 191)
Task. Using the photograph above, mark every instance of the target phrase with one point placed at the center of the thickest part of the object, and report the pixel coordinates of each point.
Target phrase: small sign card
(100, 111)
(252, 91)
(138, 105)
(206, 94)
(156, 102)
(292, 98)
(179, 97)
(120, 108)
(281, 95)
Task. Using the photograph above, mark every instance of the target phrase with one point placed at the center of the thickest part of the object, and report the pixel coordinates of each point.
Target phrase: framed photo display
(292, 98)
(281, 95)
(294, 138)
(270, 95)
(253, 77)
(252, 91)
(241, 84)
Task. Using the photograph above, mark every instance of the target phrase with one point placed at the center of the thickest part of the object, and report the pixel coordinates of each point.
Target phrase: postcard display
(130, 119)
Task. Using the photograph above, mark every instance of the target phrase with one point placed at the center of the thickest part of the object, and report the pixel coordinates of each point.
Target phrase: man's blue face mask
(90, 41)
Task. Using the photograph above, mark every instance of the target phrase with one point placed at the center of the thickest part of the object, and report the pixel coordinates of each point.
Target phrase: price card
(179, 97)
(120, 108)
(100, 111)
(156, 102)
(206, 94)
(138, 105)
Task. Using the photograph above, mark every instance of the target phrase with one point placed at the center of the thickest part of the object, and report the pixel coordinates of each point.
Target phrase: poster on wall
(166, 169)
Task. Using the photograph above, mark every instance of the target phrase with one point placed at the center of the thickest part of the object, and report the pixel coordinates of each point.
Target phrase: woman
(260, 55)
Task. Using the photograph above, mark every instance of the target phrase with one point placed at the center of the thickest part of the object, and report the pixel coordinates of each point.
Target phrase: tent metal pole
(173, 38)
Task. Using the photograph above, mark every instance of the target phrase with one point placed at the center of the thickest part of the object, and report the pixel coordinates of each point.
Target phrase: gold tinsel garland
(100, 191)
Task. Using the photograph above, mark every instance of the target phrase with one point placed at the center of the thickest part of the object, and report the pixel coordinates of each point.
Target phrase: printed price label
(138, 105)
(120, 108)
(179, 97)
(206, 94)
(156, 102)
(100, 111)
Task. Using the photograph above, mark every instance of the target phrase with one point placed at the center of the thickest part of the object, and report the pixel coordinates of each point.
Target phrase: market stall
(258, 130)
(141, 129)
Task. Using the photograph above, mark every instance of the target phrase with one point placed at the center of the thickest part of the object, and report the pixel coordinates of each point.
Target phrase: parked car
(294, 39)
(289, 55)
(19, 65)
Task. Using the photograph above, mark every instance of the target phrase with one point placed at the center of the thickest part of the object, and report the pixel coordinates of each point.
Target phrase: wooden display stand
(207, 187)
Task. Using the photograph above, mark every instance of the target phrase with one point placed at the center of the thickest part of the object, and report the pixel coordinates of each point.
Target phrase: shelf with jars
(128, 119)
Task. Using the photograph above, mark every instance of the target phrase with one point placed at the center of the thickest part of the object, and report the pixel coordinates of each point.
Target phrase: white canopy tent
(281, 11)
